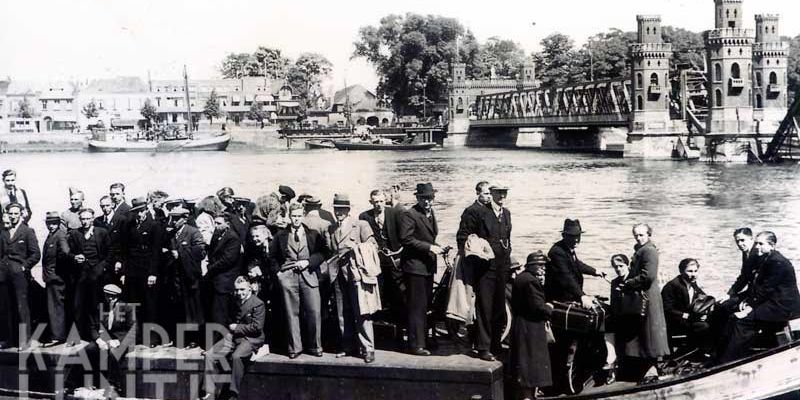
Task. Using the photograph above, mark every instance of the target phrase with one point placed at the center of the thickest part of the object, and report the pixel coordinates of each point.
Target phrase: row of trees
(412, 55)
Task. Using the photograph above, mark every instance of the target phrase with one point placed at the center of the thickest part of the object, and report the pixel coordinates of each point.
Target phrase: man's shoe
(486, 356)
(316, 353)
(341, 354)
(369, 357)
(293, 355)
(419, 352)
(191, 346)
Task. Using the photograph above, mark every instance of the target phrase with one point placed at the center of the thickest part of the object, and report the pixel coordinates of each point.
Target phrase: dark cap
(138, 203)
(52, 216)
(536, 259)
(341, 200)
(225, 192)
(286, 191)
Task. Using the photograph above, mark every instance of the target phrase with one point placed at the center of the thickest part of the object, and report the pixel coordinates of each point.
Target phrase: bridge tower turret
(729, 54)
(650, 77)
(770, 66)
(458, 92)
(527, 75)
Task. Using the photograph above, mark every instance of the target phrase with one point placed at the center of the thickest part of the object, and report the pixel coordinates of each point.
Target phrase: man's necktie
(296, 236)
(110, 317)
(12, 195)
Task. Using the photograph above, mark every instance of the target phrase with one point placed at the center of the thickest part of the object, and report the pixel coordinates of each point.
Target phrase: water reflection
(693, 207)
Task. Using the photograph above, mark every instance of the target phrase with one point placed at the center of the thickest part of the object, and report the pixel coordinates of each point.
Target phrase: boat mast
(188, 105)
(347, 102)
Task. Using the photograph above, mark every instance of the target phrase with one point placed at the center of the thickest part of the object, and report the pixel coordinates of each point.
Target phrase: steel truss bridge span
(604, 103)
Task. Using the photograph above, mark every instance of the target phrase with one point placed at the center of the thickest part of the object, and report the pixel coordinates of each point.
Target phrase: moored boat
(366, 145)
(118, 142)
(765, 375)
(320, 144)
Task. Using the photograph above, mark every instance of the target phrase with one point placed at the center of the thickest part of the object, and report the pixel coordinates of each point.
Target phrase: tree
(506, 56)
(412, 55)
(211, 108)
(558, 64)
(793, 76)
(257, 112)
(306, 75)
(271, 63)
(236, 65)
(90, 110)
(606, 55)
(25, 109)
(149, 112)
(687, 47)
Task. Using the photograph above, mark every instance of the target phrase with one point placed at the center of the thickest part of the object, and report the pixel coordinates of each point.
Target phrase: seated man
(771, 301)
(113, 336)
(246, 335)
(678, 296)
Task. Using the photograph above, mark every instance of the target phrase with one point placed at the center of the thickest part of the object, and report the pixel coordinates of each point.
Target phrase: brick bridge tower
(650, 77)
(729, 53)
(770, 65)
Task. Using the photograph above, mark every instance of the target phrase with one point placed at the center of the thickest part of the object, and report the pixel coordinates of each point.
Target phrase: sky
(48, 40)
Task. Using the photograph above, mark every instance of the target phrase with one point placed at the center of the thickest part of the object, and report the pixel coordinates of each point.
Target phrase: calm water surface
(693, 208)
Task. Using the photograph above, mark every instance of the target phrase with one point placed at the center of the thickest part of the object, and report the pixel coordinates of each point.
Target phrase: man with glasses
(418, 230)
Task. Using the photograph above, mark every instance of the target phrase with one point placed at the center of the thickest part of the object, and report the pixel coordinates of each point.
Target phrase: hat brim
(137, 208)
(425, 193)
(573, 231)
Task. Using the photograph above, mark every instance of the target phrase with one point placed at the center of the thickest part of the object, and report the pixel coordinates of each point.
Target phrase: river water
(692, 207)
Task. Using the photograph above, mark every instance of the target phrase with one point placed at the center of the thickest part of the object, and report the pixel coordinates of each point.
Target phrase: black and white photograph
(407, 200)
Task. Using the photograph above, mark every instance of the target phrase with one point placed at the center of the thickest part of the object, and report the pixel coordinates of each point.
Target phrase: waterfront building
(770, 66)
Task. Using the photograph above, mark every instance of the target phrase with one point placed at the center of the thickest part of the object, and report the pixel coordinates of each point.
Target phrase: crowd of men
(267, 270)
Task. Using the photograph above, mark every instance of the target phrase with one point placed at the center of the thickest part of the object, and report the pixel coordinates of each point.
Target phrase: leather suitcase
(572, 317)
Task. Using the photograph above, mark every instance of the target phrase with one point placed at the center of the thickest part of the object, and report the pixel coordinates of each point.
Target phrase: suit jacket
(250, 320)
(116, 229)
(675, 295)
(480, 219)
(352, 231)
(188, 242)
(141, 247)
(774, 295)
(418, 234)
(390, 236)
(55, 258)
(279, 253)
(19, 252)
(745, 278)
(22, 199)
(223, 260)
(91, 268)
(563, 275)
(123, 325)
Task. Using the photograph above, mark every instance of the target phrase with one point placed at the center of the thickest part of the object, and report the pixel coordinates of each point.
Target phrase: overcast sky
(84, 39)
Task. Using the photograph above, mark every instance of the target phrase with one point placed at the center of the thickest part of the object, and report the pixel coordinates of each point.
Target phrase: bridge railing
(605, 101)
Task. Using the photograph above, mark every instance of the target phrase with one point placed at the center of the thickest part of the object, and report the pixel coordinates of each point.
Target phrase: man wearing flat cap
(142, 241)
(90, 250)
(356, 299)
(187, 250)
(56, 275)
(418, 230)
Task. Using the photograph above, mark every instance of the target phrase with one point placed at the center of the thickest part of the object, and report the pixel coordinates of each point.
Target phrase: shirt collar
(496, 207)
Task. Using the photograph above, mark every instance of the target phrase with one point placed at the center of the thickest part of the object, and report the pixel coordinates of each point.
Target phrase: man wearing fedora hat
(564, 283)
(354, 321)
(90, 249)
(418, 230)
(56, 275)
(565, 270)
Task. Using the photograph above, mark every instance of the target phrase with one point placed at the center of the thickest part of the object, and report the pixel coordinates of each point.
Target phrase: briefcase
(572, 317)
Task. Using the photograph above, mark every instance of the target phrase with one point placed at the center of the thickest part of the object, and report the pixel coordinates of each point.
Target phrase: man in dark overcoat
(90, 250)
(57, 277)
(295, 257)
(771, 302)
(142, 239)
(418, 230)
(223, 268)
(678, 295)
(750, 261)
(188, 251)
(20, 255)
(113, 219)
